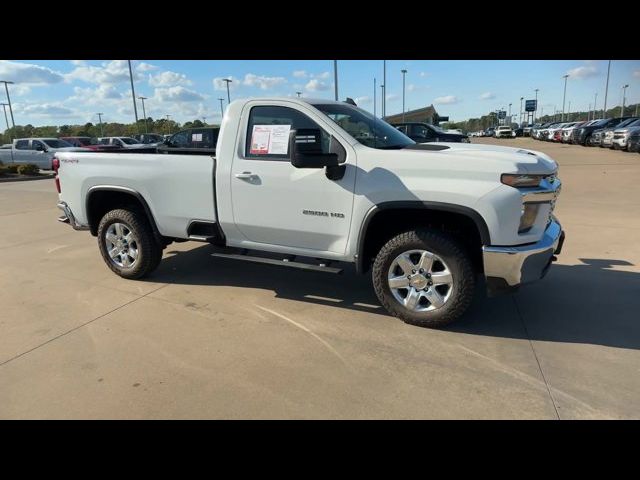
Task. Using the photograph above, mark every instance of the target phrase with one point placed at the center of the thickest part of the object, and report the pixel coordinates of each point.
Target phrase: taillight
(55, 163)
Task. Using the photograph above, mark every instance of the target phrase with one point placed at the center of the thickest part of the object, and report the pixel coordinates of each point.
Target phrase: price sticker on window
(270, 140)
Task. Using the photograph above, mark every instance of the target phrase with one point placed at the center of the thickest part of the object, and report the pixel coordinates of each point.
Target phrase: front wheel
(424, 277)
(127, 243)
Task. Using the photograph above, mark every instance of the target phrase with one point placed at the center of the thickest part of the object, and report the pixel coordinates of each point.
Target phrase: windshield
(57, 143)
(130, 141)
(365, 128)
(626, 122)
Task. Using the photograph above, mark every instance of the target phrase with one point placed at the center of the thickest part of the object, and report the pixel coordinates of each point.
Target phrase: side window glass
(22, 145)
(37, 145)
(181, 139)
(268, 132)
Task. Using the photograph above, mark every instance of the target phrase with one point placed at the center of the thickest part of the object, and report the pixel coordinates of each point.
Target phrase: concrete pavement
(214, 338)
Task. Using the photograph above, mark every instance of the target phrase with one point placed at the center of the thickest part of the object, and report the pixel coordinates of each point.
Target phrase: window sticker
(196, 137)
(270, 139)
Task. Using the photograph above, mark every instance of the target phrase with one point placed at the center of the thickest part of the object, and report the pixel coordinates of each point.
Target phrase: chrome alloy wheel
(122, 245)
(420, 281)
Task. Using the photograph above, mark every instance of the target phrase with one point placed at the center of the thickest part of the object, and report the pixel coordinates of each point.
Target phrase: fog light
(528, 217)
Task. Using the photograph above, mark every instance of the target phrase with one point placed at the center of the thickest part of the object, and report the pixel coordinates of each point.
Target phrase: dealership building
(422, 115)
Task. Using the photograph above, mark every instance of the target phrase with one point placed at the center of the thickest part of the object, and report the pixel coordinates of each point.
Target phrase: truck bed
(179, 189)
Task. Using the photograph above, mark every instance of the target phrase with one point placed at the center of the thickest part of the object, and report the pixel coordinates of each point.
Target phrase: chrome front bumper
(506, 268)
(69, 218)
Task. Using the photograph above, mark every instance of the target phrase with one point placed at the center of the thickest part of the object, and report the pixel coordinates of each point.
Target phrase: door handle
(244, 175)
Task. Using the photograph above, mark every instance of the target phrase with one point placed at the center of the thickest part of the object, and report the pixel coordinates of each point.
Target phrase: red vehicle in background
(91, 143)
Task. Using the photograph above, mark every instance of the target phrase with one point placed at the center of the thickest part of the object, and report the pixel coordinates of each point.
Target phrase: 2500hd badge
(318, 213)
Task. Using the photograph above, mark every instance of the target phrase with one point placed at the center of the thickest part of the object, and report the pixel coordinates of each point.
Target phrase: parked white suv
(503, 131)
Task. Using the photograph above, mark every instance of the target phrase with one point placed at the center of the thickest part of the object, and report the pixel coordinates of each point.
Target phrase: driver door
(275, 203)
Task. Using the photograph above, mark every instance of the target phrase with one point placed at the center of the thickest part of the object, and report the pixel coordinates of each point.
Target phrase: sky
(59, 92)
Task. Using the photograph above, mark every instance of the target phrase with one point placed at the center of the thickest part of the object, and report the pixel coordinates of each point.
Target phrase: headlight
(518, 180)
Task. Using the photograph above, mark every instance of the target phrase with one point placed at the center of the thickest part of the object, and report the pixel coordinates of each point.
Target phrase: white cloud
(220, 84)
(168, 79)
(300, 74)
(315, 85)
(78, 63)
(110, 72)
(105, 94)
(585, 71)
(262, 82)
(323, 75)
(446, 100)
(487, 96)
(424, 74)
(44, 110)
(392, 97)
(177, 94)
(636, 74)
(28, 73)
(365, 100)
(145, 67)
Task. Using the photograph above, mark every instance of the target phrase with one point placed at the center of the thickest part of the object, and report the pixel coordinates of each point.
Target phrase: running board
(283, 263)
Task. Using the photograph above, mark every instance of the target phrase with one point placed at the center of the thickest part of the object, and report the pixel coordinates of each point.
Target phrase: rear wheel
(424, 277)
(127, 243)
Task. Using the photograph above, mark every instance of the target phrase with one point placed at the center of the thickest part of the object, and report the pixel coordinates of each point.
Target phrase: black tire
(149, 250)
(451, 252)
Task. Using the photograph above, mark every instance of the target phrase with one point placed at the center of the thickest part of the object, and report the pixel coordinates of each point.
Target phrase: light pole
(569, 112)
(221, 109)
(168, 126)
(374, 97)
(589, 113)
(228, 81)
(595, 99)
(100, 122)
(133, 96)
(6, 89)
(404, 75)
(606, 92)
(624, 91)
(144, 113)
(4, 107)
(536, 112)
(382, 101)
(335, 79)
(565, 94)
(521, 120)
(384, 88)
(510, 119)
(298, 93)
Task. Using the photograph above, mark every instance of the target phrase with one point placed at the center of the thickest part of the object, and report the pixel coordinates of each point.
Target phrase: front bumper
(506, 268)
(69, 218)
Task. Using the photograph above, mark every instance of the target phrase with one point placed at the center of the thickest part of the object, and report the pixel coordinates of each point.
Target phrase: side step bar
(284, 263)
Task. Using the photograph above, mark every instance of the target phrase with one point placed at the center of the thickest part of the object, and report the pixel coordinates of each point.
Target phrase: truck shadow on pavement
(590, 303)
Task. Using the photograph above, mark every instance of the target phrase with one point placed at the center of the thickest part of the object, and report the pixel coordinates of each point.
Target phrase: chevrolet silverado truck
(316, 184)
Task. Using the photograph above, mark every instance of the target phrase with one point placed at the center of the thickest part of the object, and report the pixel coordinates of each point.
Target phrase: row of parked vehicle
(620, 133)
(501, 131)
(40, 151)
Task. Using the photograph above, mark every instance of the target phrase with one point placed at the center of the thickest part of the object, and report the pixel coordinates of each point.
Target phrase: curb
(26, 178)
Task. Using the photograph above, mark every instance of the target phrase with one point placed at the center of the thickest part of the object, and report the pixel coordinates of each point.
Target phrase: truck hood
(488, 157)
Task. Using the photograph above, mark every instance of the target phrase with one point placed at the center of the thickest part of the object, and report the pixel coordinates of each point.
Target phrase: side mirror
(305, 148)
(40, 148)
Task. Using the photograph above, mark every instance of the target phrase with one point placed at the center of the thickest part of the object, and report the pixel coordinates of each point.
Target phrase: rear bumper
(506, 268)
(69, 218)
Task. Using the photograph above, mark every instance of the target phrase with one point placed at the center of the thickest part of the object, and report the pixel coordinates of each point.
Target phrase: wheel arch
(436, 209)
(102, 198)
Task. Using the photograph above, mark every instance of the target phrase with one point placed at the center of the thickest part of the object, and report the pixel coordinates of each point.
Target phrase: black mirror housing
(305, 150)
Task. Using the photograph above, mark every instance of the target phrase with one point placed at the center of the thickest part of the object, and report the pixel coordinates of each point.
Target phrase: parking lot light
(606, 91)
(228, 81)
(221, 108)
(624, 90)
(564, 96)
(144, 113)
(404, 74)
(6, 89)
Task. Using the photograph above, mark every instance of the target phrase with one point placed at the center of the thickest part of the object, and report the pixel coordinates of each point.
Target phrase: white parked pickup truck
(324, 181)
(38, 151)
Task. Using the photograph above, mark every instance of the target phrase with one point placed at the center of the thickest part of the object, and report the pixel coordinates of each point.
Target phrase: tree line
(112, 129)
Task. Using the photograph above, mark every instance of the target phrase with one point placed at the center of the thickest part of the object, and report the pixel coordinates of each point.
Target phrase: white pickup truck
(326, 182)
(38, 151)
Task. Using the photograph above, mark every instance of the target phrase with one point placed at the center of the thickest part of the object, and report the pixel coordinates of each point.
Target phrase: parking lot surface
(205, 337)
